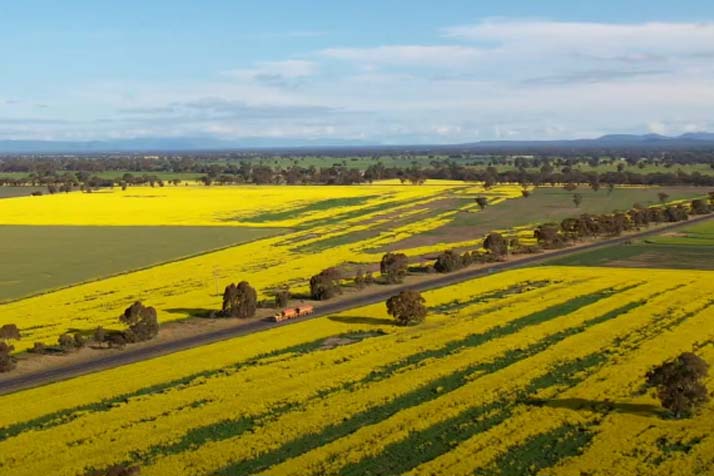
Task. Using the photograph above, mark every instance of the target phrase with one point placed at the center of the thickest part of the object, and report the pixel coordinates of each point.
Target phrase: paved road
(133, 355)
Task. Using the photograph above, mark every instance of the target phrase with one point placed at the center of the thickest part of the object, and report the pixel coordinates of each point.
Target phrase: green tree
(577, 199)
(482, 202)
(496, 244)
(699, 207)
(394, 267)
(142, 321)
(9, 331)
(7, 361)
(448, 261)
(407, 308)
(326, 284)
(679, 383)
(239, 300)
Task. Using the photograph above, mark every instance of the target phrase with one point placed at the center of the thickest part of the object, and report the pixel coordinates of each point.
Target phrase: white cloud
(514, 79)
(276, 70)
(637, 41)
(414, 55)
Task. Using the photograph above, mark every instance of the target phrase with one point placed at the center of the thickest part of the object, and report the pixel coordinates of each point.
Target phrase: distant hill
(611, 141)
(163, 144)
(693, 140)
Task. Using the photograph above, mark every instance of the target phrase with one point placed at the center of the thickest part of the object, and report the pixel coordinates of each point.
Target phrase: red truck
(293, 312)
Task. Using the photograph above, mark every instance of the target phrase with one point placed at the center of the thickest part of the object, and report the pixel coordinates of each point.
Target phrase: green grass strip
(518, 288)
(511, 327)
(440, 438)
(539, 452)
(302, 210)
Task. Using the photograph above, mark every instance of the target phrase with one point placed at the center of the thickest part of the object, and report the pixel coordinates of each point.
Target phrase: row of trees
(141, 325)
(247, 172)
(557, 235)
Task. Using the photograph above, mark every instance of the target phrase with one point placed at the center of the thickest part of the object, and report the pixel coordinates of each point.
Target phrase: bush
(100, 335)
(359, 280)
(38, 348)
(448, 261)
(282, 297)
(79, 340)
(325, 285)
(678, 383)
(7, 361)
(700, 207)
(407, 307)
(482, 202)
(121, 469)
(394, 267)
(66, 342)
(548, 236)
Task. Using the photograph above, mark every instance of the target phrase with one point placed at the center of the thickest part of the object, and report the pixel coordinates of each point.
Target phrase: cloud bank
(493, 79)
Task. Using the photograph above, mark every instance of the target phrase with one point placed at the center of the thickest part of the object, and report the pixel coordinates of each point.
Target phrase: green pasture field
(9, 192)
(701, 234)
(688, 248)
(546, 204)
(35, 259)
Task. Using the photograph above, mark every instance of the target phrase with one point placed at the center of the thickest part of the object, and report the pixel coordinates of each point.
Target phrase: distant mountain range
(697, 140)
(611, 141)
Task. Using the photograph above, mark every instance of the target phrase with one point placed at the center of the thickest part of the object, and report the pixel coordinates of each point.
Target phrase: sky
(378, 72)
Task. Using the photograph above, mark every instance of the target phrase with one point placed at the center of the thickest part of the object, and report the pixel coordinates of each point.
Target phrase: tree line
(67, 174)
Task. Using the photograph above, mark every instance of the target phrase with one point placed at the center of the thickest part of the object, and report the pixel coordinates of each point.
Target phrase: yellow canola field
(199, 205)
(454, 395)
(331, 226)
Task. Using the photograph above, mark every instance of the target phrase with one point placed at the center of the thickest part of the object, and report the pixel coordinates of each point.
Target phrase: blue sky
(373, 71)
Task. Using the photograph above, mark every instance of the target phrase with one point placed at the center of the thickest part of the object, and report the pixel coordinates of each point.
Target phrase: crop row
(281, 403)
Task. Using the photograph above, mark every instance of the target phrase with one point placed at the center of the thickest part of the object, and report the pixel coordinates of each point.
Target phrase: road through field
(62, 372)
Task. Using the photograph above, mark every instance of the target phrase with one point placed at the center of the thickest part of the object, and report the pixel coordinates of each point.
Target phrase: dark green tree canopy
(239, 300)
(394, 267)
(407, 307)
(679, 383)
(326, 284)
(496, 244)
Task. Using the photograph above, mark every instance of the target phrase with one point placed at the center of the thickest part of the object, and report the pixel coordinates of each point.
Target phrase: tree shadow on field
(600, 406)
(374, 321)
(193, 311)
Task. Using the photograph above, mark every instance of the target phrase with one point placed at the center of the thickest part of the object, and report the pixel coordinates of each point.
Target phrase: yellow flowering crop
(328, 226)
(545, 363)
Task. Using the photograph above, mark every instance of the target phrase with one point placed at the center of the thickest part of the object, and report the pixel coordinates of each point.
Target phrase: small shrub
(448, 261)
(38, 348)
(282, 297)
(66, 342)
